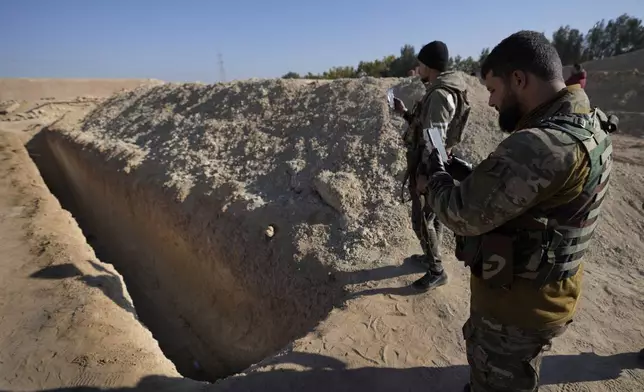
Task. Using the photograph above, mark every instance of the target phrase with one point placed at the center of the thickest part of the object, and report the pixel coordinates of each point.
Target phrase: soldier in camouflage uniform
(444, 107)
(525, 215)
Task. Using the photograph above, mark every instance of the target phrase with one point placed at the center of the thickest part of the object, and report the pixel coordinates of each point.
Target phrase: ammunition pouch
(499, 258)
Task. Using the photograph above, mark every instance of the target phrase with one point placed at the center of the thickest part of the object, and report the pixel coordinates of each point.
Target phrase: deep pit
(215, 297)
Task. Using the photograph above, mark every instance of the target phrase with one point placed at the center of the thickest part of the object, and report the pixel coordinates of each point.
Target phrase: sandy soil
(66, 318)
(332, 175)
(65, 89)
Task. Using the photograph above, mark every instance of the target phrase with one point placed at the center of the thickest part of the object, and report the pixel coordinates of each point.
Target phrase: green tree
(376, 68)
(596, 45)
(467, 65)
(625, 34)
(291, 75)
(403, 63)
(340, 73)
(569, 44)
(620, 35)
(617, 36)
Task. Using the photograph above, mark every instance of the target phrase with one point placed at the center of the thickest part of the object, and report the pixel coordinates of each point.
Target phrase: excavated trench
(217, 295)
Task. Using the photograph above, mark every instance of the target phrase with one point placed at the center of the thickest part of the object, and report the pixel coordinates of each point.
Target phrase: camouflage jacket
(529, 168)
(526, 169)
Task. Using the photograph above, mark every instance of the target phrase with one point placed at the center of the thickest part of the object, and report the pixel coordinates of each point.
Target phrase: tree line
(605, 39)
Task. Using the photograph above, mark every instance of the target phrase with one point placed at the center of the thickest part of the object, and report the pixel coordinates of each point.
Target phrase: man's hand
(399, 106)
(458, 168)
(421, 183)
(435, 162)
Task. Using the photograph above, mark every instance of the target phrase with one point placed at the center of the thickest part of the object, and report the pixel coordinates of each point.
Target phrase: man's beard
(510, 114)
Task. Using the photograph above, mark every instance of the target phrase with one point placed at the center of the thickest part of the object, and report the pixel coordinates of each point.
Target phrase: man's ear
(518, 79)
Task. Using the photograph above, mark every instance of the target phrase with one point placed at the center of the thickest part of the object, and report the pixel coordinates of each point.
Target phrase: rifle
(414, 154)
(413, 160)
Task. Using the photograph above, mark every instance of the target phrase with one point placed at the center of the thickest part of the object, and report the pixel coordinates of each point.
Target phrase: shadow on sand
(330, 374)
(112, 286)
(106, 281)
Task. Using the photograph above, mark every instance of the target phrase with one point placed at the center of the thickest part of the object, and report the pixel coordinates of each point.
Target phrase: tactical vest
(547, 245)
(413, 136)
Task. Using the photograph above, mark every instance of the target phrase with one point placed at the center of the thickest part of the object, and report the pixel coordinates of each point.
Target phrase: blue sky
(179, 40)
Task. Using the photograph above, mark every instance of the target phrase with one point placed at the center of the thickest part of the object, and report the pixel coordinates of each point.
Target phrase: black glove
(435, 163)
(458, 168)
(407, 116)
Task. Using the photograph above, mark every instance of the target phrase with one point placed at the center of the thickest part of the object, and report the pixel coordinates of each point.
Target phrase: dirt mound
(255, 200)
(24, 89)
(280, 142)
(624, 62)
(617, 91)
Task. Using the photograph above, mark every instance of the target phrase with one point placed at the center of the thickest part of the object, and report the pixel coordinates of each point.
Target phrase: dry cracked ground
(249, 237)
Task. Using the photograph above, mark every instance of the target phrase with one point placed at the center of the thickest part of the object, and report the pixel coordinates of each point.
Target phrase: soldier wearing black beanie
(444, 110)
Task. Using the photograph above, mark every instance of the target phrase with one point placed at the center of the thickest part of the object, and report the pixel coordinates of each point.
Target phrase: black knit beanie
(434, 55)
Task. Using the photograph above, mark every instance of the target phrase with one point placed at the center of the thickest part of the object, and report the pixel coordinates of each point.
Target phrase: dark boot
(430, 281)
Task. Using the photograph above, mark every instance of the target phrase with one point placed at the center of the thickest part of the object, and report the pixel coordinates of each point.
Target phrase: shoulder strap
(452, 90)
(578, 126)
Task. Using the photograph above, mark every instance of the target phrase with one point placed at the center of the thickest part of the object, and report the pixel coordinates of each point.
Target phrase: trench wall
(207, 283)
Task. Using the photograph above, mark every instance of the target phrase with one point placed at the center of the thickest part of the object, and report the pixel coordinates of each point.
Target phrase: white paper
(437, 142)
(390, 98)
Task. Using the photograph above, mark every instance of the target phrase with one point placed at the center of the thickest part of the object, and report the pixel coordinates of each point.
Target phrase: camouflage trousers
(505, 358)
(428, 229)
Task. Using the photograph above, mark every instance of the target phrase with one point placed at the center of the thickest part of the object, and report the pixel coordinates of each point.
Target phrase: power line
(222, 70)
